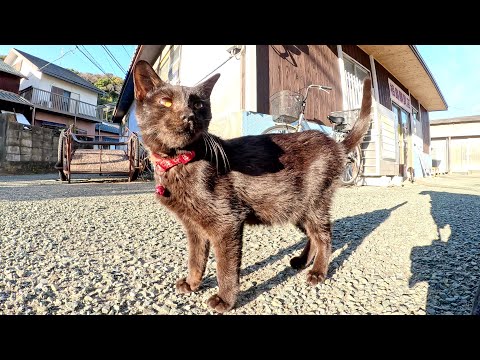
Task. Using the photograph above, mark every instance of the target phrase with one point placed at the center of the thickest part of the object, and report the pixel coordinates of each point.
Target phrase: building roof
(456, 120)
(59, 72)
(148, 53)
(12, 97)
(107, 128)
(402, 61)
(4, 67)
(407, 65)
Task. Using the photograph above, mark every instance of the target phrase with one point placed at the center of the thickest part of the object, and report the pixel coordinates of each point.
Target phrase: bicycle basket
(286, 106)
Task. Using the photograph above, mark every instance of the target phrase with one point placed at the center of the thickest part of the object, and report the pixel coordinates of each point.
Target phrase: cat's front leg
(228, 254)
(198, 248)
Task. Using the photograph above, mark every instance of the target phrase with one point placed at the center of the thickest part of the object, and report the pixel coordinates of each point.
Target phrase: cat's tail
(360, 128)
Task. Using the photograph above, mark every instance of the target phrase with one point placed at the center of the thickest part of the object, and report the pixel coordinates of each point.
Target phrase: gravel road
(110, 248)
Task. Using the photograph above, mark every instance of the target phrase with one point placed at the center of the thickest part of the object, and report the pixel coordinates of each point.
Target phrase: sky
(78, 61)
(454, 68)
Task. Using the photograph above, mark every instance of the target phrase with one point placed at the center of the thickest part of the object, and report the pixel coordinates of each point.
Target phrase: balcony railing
(49, 100)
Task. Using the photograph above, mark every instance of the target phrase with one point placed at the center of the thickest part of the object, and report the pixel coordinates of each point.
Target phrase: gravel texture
(110, 248)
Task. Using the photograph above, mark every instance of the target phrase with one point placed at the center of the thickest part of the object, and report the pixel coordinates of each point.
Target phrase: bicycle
(146, 169)
(288, 111)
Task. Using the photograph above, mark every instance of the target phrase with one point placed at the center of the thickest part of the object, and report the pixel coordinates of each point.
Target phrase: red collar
(162, 164)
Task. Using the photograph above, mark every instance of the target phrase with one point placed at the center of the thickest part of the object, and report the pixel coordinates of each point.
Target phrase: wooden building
(404, 92)
(456, 144)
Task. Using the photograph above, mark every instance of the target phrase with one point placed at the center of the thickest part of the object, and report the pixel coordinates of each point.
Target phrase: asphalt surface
(107, 247)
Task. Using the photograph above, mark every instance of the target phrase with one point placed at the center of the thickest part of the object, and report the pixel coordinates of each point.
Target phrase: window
(168, 64)
(355, 68)
(60, 98)
(415, 115)
(354, 75)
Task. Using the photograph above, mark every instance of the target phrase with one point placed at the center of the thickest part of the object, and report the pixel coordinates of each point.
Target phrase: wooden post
(33, 116)
(374, 78)
(449, 169)
(341, 67)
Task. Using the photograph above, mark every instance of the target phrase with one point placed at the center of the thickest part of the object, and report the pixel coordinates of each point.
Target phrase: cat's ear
(205, 88)
(144, 79)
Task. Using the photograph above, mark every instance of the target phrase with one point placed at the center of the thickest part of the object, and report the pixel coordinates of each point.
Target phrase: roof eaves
(419, 57)
(127, 76)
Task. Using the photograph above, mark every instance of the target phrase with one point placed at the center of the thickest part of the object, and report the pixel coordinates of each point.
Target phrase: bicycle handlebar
(320, 87)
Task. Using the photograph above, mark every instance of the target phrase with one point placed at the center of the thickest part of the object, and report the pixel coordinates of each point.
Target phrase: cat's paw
(297, 263)
(183, 287)
(314, 278)
(218, 304)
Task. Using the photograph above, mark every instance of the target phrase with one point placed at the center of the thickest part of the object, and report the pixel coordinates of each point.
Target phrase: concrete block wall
(26, 150)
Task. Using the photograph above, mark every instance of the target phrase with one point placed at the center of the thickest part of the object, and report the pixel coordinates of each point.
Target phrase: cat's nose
(188, 117)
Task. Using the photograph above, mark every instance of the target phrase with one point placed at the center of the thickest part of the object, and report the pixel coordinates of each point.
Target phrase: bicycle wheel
(280, 129)
(352, 167)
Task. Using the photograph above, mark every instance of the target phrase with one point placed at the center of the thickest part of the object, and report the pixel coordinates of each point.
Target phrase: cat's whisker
(222, 152)
(205, 142)
(205, 138)
(214, 148)
(214, 143)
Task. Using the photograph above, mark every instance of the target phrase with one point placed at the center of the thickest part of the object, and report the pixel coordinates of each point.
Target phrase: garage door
(465, 154)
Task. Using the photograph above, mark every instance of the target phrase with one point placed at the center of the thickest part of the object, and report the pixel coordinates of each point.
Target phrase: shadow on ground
(348, 233)
(451, 264)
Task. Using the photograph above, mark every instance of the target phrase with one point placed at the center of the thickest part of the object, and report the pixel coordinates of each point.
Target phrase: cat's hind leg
(320, 234)
(308, 252)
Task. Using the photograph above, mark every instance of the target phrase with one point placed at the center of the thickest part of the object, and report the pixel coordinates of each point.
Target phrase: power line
(71, 50)
(116, 60)
(113, 58)
(129, 55)
(211, 72)
(91, 58)
(110, 63)
(95, 63)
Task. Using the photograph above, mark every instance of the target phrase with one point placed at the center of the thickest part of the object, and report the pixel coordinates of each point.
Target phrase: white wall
(453, 130)
(78, 92)
(30, 71)
(43, 81)
(199, 60)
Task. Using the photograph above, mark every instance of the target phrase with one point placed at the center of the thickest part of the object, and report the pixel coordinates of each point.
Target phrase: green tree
(109, 83)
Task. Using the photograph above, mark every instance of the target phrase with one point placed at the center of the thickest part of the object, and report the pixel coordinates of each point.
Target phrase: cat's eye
(198, 105)
(165, 101)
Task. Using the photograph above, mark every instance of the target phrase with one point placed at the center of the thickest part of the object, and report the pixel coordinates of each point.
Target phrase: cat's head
(170, 116)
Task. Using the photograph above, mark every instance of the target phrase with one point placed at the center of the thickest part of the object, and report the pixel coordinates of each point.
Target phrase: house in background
(404, 91)
(107, 132)
(10, 101)
(60, 97)
(456, 144)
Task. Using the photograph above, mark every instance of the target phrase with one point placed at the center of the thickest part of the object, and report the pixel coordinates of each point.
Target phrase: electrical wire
(113, 58)
(90, 58)
(129, 55)
(71, 50)
(211, 72)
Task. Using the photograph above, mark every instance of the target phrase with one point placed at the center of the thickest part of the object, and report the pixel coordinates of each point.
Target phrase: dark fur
(264, 179)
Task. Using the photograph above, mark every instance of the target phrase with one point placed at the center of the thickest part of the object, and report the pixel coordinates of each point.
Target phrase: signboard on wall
(399, 96)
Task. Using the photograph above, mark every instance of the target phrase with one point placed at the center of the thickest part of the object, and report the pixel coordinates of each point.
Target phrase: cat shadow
(449, 265)
(347, 234)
